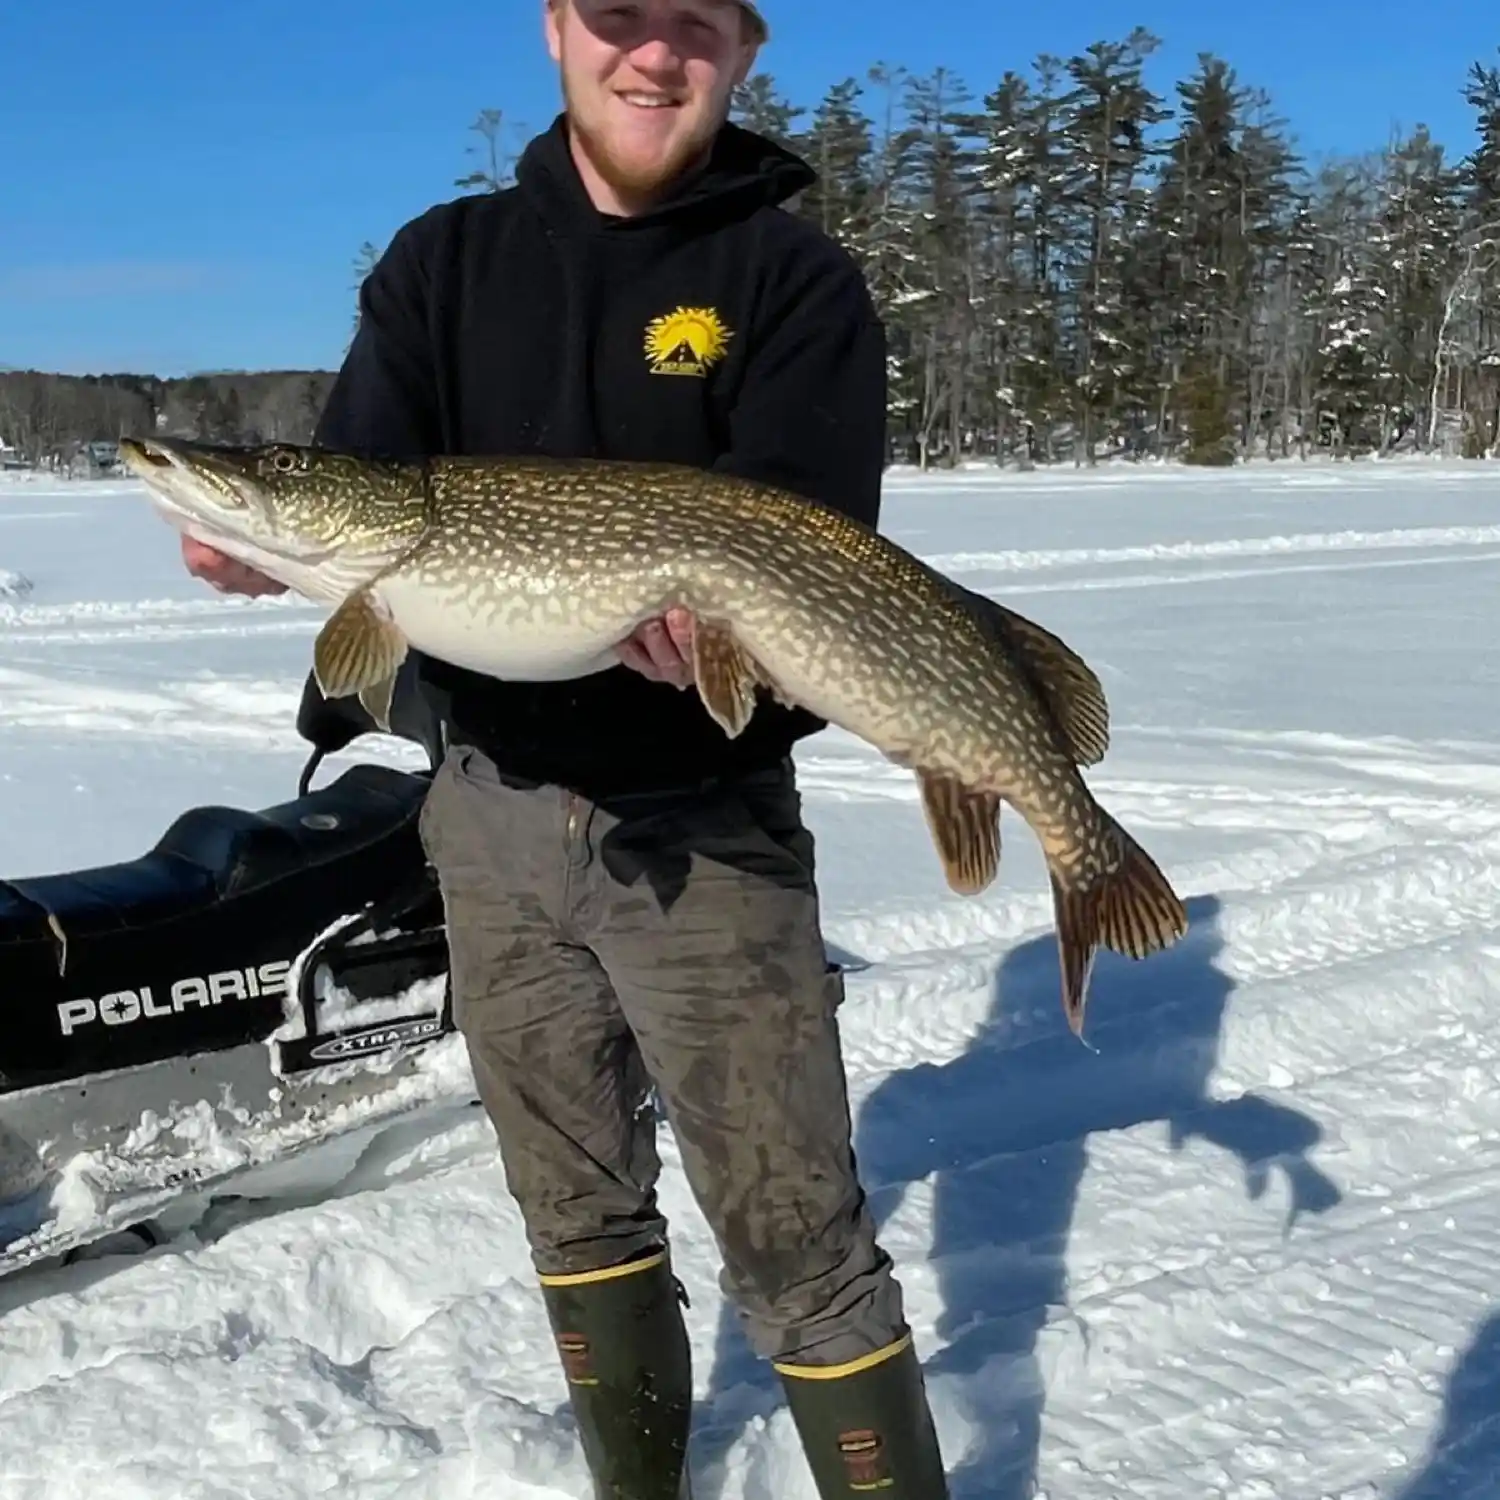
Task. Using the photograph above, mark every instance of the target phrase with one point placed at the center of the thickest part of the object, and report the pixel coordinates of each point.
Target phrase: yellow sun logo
(686, 341)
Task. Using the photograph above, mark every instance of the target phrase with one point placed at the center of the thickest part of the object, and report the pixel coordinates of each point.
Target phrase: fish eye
(284, 461)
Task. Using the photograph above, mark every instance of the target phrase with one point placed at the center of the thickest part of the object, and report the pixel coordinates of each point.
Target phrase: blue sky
(186, 185)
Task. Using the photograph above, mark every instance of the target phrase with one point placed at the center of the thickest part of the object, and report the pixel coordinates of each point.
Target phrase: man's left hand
(662, 649)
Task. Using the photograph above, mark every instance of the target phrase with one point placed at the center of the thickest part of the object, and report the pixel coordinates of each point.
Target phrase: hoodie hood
(744, 172)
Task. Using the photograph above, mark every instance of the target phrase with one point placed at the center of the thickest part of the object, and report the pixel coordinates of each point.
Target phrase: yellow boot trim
(606, 1273)
(854, 1366)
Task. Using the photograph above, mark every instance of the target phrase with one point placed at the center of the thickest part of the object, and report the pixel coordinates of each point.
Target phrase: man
(630, 894)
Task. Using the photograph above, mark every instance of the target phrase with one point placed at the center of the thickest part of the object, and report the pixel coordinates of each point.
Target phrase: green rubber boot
(624, 1351)
(866, 1428)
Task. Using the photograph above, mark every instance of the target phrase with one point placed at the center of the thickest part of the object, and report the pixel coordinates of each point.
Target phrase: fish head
(289, 509)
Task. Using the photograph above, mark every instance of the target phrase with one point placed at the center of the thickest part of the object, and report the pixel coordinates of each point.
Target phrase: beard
(629, 178)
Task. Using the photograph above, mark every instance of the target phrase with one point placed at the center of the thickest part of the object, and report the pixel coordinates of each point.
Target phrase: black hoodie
(717, 330)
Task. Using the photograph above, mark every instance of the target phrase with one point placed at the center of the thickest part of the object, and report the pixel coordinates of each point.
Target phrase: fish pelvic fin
(726, 676)
(1066, 683)
(359, 649)
(1131, 910)
(965, 827)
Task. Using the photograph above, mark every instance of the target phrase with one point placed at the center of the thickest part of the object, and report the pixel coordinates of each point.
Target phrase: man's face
(647, 83)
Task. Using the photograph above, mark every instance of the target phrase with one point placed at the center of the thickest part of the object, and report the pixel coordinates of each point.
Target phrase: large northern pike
(535, 568)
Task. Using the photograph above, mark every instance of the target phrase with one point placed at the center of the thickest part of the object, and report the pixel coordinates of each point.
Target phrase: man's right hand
(225, 573)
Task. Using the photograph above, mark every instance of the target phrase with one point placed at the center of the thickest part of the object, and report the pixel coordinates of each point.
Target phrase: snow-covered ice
(1241, 1247)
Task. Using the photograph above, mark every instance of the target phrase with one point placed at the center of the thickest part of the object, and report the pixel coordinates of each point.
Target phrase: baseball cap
(753, 11)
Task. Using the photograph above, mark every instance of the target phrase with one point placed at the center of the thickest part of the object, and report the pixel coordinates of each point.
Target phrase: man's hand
(226, 573)
(662, 649)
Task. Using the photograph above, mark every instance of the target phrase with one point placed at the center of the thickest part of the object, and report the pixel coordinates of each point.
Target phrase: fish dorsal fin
(1064, 680)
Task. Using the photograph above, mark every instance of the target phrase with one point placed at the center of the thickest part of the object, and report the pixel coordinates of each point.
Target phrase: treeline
(1074, 266)
(51, 419)
(1071, 267)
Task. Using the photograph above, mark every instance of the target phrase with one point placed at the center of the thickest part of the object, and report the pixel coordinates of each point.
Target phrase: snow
(1241, 1246)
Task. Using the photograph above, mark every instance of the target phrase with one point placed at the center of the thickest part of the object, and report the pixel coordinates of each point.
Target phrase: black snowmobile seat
(211, 852)
(137, 893)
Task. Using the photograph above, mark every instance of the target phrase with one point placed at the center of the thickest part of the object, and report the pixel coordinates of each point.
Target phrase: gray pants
(597, 949)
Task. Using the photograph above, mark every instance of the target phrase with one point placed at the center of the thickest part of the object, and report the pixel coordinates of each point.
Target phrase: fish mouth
(177, 483)
(168, 466)
(150, 455)
(204, 491)
(203, 499)
(143, 454)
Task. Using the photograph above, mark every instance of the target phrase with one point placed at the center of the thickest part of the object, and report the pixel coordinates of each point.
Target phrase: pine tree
(495, 172)
(938, 314)
(839, 145)
(1108, 195)
(1003, 300)
(1044, 377)
(759, 106)
(1412, 252)
(1481, 266)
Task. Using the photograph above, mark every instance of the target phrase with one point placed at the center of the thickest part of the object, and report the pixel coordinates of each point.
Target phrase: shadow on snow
(1463, 1462)
(1001, 1133)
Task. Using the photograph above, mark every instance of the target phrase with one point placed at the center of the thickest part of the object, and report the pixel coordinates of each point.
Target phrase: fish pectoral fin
(358, 649)
(1132, 910)
(1067, 684)
(376, 701)
(965, 828)
(726, 676)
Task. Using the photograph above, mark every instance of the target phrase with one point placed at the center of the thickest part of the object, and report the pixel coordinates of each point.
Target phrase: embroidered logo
(686, 341)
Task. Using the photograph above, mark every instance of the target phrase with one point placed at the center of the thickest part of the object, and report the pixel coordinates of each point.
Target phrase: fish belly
(515, 638)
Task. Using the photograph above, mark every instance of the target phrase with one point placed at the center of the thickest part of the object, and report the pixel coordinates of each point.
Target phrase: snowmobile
(255, 984)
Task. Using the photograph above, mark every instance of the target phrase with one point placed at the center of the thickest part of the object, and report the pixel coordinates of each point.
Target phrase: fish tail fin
(1132, 910)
